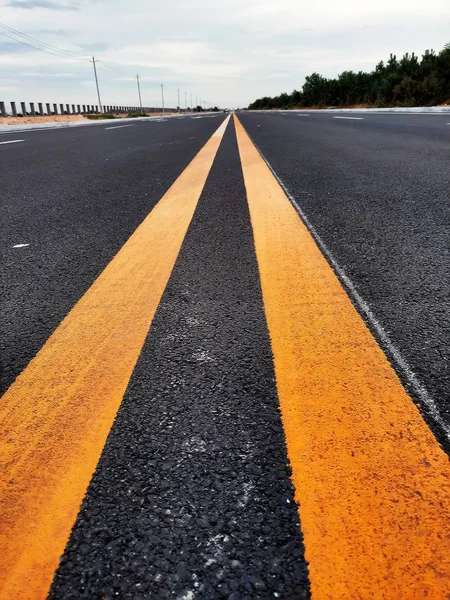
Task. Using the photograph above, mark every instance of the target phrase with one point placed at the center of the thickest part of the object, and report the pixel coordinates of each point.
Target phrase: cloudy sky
(228, 52)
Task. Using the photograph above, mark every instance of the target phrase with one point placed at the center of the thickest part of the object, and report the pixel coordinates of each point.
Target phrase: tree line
(409, 81)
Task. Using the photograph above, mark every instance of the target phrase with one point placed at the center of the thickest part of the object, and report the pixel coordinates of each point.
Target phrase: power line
(35, 44)
(43, 46)
(107, 66)
(37, 48)
(49, 48)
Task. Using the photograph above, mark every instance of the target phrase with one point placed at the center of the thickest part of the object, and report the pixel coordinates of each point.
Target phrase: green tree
(409, 81)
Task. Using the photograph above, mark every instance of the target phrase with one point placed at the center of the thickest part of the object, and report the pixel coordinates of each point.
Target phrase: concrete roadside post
(13, 109)
(2, 109)
(24, 109)
(32, 109)
(41, 109)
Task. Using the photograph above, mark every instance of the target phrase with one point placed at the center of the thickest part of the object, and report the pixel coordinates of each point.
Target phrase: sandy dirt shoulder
(60, 119)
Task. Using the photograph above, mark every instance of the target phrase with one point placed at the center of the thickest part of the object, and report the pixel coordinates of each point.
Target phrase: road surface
(225, 358)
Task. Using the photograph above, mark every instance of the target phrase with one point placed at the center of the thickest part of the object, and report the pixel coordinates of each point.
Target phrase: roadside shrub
(100, 116)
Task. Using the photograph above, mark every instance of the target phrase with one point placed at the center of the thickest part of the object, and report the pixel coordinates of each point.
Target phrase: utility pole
(196, 102)
(139, 90)
(96, 83)
(191, 101)
(185, 101)
(179, 106)
(162, 96)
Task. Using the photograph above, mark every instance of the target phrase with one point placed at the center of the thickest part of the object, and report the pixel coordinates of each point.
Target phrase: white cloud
(226, 52)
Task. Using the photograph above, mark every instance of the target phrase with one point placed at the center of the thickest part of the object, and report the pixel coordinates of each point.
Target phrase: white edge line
(352, 118)
(119, 126)
(12, 141)
(418, 388)
(20, 245)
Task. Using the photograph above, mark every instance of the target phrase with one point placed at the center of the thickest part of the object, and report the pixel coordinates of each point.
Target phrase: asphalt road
(75, 196)
(377, 192)
(193, 495)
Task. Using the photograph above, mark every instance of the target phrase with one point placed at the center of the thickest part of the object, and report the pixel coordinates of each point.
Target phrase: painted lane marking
(372, 482)
(303, 115)
(20, 245)
(119, 126)
(56, 416)
(351, 118)
(400, 362)
(11, 142)
(221, 130)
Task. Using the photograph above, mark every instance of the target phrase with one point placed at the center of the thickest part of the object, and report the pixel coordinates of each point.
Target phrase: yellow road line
(55, 418)
(372, 482)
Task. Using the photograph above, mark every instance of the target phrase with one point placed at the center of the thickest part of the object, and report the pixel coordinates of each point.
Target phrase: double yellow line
(372, 482)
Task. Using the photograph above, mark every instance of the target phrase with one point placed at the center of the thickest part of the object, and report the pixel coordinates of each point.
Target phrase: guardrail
(41, 109)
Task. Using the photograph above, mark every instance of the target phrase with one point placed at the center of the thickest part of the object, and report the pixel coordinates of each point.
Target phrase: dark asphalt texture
(76, 195)
(377, 191)
(192, 495)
